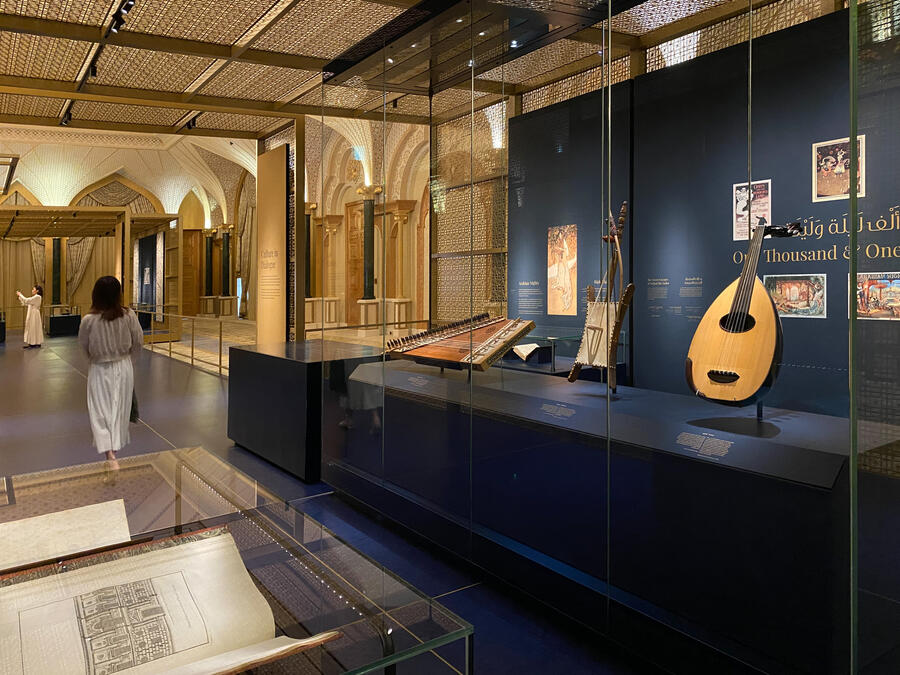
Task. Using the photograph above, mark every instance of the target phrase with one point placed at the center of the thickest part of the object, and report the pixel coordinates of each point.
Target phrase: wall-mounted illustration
(878, 295)
(800, 296)
(742, 205)
(831, 169)
(562, 270)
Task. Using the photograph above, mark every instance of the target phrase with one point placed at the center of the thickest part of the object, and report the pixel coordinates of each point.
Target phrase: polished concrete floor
(44, 424)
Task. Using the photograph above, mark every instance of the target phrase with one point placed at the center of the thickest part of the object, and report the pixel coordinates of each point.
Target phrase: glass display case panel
(179, 501)
(874, 308)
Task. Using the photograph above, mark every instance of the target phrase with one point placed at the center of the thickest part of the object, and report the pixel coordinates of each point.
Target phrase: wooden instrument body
(604, 317)
(477, 344)
(753, 355)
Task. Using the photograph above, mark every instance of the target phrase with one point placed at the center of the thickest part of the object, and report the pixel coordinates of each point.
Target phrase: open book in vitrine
(185, 604)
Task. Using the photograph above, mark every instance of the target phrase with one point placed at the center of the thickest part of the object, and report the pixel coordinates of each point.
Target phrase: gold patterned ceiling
(245, 68)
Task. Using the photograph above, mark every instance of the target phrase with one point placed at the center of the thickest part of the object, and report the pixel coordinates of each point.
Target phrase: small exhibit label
(706, 445)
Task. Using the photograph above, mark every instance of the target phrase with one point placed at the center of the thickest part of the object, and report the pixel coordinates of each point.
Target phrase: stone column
(368, 193)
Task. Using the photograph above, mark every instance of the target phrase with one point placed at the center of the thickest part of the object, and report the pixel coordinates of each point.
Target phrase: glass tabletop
(311, 579)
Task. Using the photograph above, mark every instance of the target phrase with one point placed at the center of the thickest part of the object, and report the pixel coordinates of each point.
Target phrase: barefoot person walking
(34, 332)
(110, 334)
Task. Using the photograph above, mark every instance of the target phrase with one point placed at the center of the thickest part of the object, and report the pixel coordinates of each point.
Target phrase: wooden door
(192, 242)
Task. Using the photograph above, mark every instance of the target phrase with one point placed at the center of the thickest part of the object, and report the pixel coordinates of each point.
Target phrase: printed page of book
(147, 613)
(256, 655)
(524, 351)
(64, 533)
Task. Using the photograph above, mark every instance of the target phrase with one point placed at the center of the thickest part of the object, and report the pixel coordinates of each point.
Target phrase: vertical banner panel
(272, 205)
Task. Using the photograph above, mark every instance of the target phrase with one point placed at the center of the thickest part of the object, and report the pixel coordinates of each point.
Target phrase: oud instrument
(477, 342)
(605, 315)
(736, 350)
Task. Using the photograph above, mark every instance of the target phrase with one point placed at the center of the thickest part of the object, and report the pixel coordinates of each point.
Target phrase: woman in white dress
(110, 334)
(34, 331)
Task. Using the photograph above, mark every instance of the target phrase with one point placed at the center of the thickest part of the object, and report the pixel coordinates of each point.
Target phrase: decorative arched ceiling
(55, 165)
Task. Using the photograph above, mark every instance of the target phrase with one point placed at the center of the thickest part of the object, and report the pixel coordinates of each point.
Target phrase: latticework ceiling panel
(33, 106)
(325, 28)
(253, 81)
(126, 114)
(33, 56)
(231, 122)
(541, 60)
(411, 105)
(450, 99)
(72, 11)
(334, 96)
(144, 69)
(206, 20)
(655, 14)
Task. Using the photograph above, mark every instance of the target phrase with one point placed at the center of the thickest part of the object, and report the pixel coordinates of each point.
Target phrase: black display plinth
(275, 400)
(64, 324)
(729, 530)
(2, 331)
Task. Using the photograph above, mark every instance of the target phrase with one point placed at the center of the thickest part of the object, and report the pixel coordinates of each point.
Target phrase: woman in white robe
(110, 334)
(34, 331)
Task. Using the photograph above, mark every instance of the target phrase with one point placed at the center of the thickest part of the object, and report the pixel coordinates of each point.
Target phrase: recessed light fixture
(514, 44)
(390, 60)
(459, 21)
(413, 45)
(482, 34)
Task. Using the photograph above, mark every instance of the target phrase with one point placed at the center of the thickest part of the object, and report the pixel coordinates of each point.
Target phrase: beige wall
(191, 212)
(16, 273)
(102, 262)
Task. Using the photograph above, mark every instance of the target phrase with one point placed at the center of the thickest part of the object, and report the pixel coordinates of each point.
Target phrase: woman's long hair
(39, 289)
(106, 298)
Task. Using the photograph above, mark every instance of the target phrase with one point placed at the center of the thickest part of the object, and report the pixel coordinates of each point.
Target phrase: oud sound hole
(737, 322)
(723, 376)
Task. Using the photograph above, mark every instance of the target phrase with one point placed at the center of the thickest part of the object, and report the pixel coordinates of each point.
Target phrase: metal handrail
(167, 328)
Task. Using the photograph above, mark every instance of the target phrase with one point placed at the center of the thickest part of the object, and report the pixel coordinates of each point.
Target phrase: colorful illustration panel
(562, 270)
(878, 295)
(798, 296)
(831, 169)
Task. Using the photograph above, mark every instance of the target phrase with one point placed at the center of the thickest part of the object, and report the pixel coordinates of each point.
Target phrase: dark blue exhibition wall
(557, 177)
(680, 143)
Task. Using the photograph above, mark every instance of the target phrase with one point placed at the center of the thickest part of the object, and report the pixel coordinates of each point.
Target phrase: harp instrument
(736, 350)
(477, 342)
(605, 315)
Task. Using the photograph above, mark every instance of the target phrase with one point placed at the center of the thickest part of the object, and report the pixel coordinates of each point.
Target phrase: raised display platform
(730, 530)
(64, 324)
(275, 399)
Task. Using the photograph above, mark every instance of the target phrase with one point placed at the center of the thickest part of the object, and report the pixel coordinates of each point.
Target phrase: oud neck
(748, 274)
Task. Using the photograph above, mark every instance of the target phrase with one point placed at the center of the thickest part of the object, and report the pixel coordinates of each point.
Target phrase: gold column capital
(369, 191)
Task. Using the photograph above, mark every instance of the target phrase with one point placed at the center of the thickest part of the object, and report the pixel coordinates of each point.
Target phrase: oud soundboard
(477, 342)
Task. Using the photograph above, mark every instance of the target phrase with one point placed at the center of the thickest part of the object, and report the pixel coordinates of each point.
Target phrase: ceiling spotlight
(482, 33)
(471, 62)
(459, 21)
(514, 44)
(414, 45)
(390, 60)
(114, 28)
(66, 118)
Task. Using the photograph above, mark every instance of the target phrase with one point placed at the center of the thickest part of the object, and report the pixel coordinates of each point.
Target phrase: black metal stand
(759, 411)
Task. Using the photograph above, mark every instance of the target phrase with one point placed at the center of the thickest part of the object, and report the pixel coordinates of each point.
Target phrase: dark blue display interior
(147, 270)
(680, 141)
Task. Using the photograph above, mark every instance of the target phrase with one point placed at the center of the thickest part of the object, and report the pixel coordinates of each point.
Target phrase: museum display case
(633, 317)
(177, 561)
